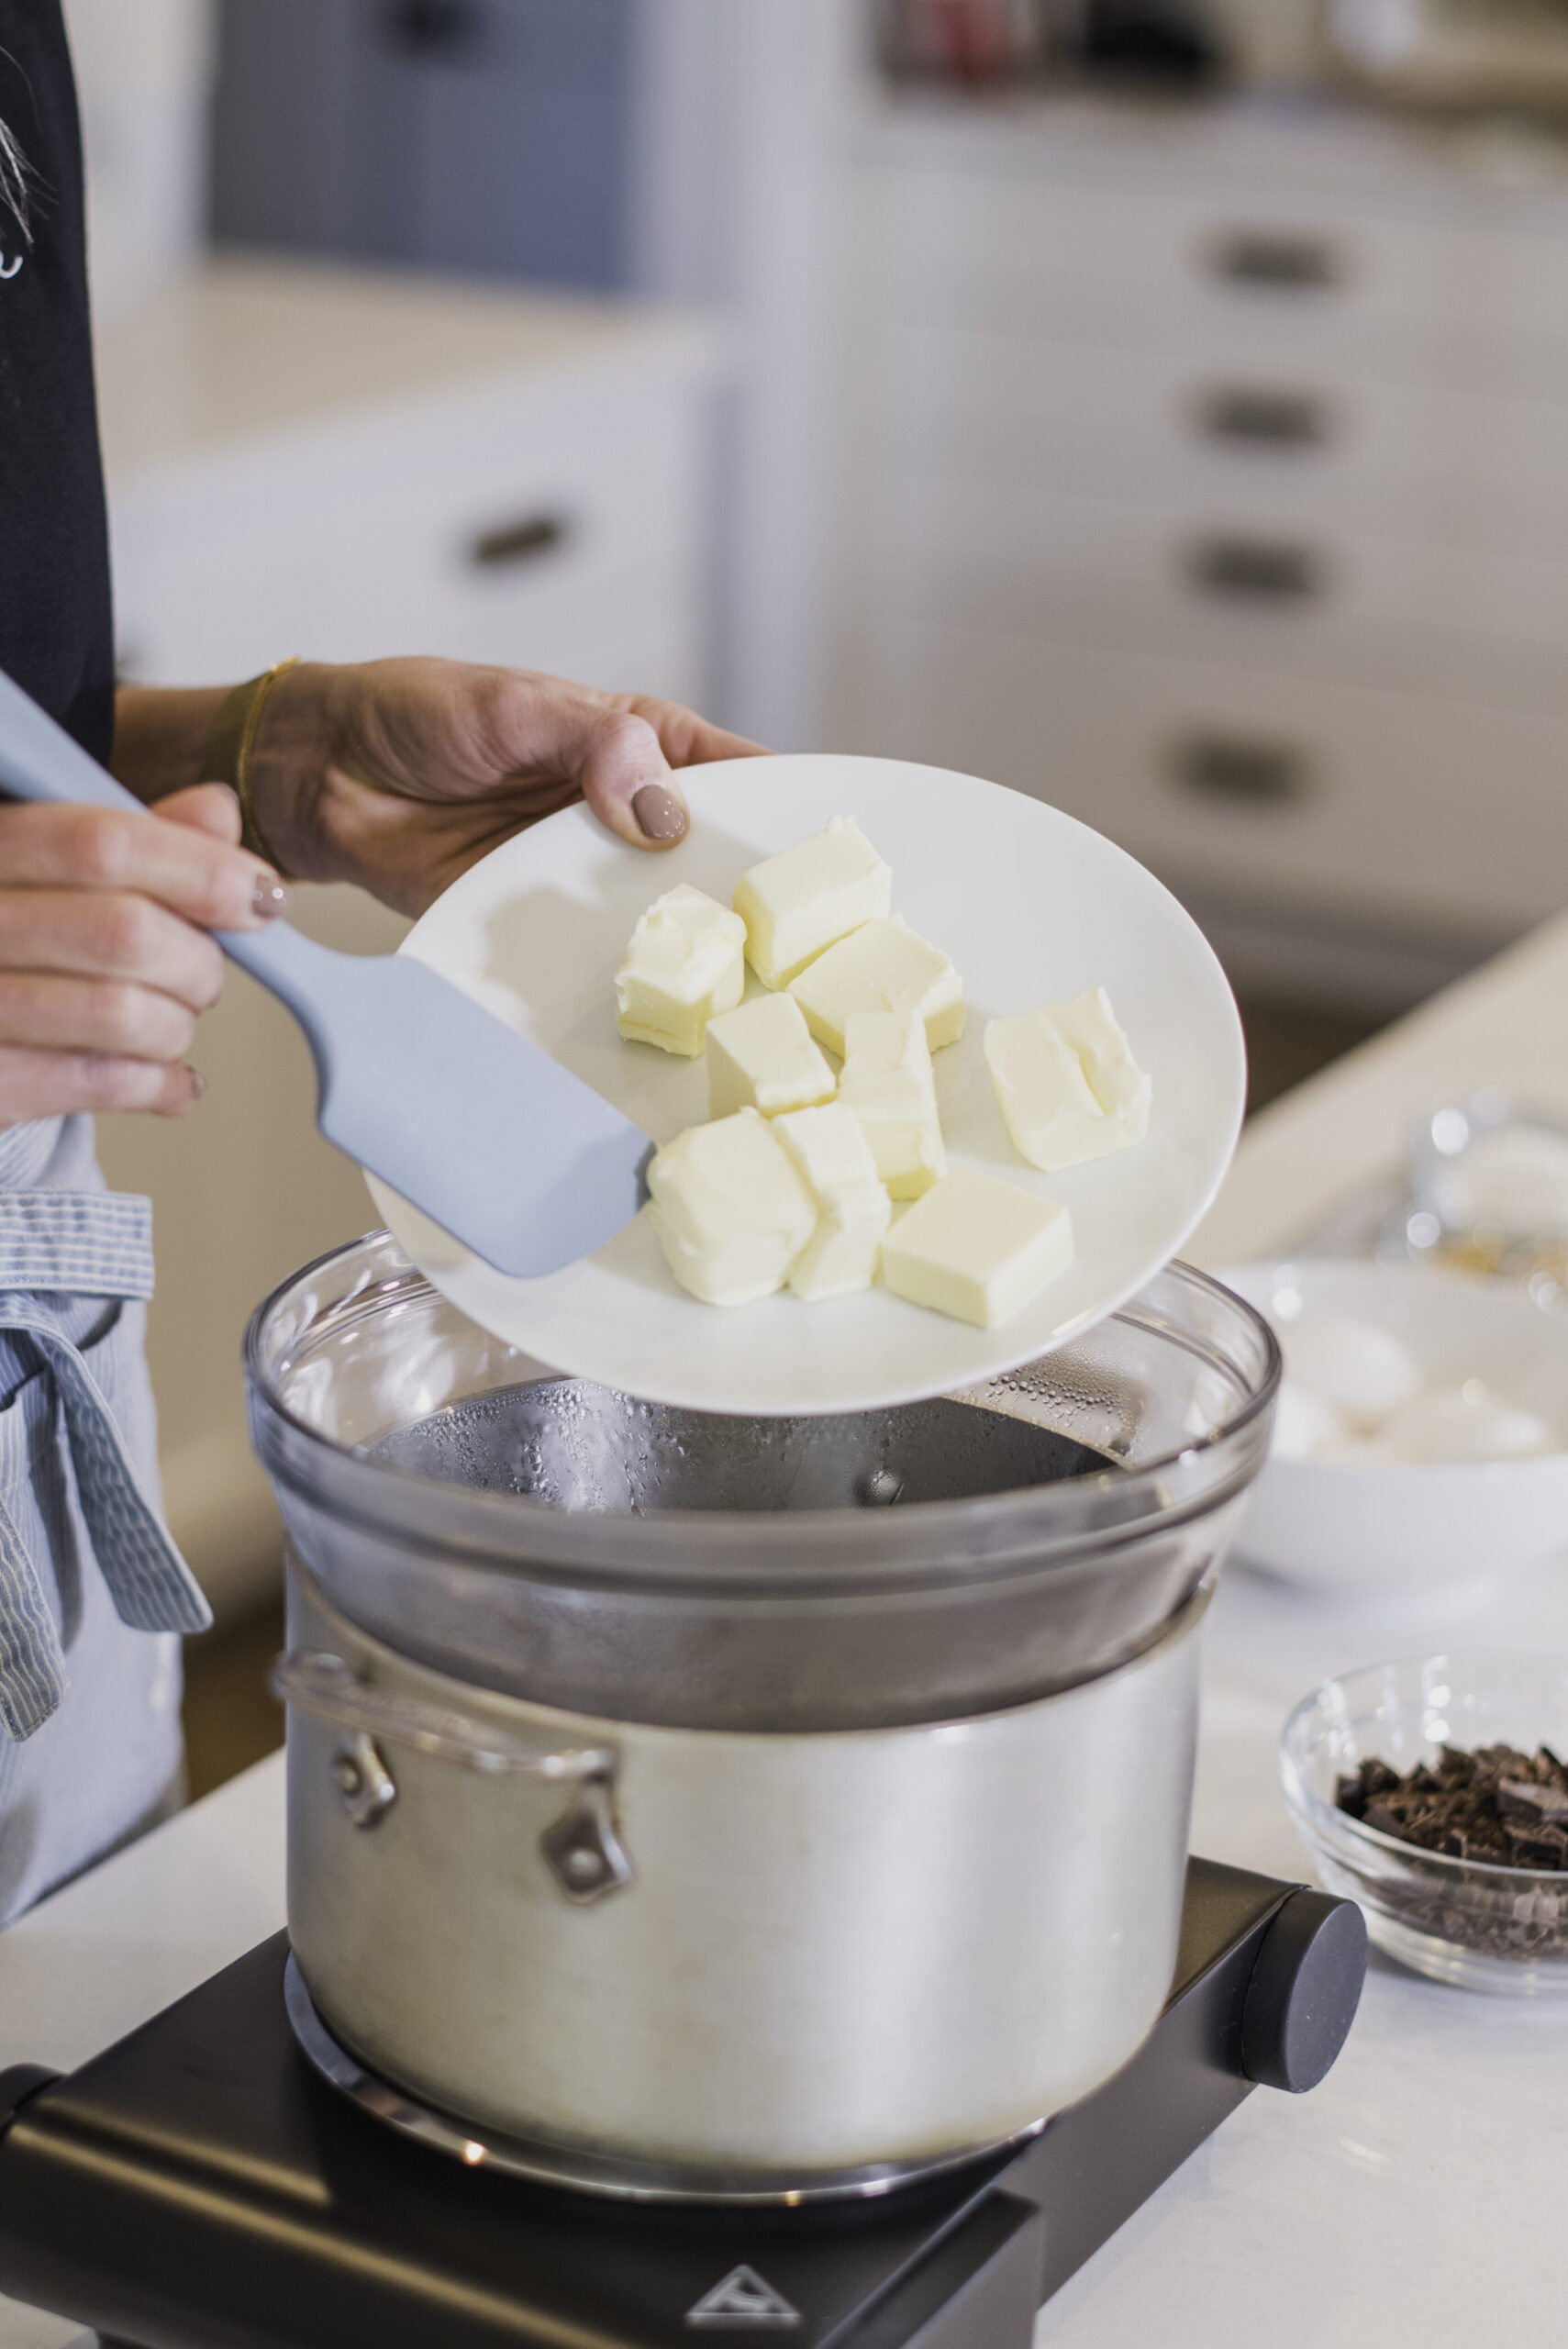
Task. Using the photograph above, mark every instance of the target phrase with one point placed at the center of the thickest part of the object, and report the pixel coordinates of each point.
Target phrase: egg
(1303, 1423)
(1361, 1371)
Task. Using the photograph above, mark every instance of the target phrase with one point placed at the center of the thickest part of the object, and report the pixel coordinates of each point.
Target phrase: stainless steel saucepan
(698, 1805)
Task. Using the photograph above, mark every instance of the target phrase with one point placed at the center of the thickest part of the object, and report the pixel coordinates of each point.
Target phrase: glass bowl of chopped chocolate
(1435, 1793)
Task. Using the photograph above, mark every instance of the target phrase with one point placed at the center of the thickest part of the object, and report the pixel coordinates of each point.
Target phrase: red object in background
(977, 35)
(973, 41)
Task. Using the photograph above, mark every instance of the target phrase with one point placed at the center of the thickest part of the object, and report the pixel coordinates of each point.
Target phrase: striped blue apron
(92, 1592)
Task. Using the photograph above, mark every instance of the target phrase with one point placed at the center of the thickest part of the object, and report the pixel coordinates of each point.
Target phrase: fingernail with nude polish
(659, 814)
(270, 897)
(198, 1082)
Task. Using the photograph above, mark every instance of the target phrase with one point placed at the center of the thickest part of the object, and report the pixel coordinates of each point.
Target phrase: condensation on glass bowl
(607, 1553)
(574, 1445)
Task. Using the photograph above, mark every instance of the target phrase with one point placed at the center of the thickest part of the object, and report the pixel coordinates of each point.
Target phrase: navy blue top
(56, 628)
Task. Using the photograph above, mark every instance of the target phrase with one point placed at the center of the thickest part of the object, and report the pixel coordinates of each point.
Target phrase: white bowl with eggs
(1421, 1436)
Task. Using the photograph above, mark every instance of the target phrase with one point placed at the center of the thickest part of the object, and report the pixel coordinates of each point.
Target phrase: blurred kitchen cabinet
(315, 461)
(472, 135)
(1207, 473)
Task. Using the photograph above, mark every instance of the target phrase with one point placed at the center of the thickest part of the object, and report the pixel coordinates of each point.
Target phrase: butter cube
(887, 1083)
(685, 962)
(976, 1247)
(762, 1057)
(1069, 1087)
(853, 1209)
(797, 903)
(730, 1208)
(882, 967)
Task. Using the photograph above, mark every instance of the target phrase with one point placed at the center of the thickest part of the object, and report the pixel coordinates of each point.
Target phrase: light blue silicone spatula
(500, 1145)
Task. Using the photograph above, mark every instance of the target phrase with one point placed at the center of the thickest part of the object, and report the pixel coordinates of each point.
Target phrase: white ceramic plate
(1031, 905)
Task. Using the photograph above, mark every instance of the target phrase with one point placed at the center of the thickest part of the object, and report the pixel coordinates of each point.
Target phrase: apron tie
(79, 1243)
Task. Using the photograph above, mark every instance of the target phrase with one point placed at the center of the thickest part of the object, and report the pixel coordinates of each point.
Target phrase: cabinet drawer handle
(1264, 419)
(1289, 261)
(520, 541)
(1272, 571)
(1244, 770)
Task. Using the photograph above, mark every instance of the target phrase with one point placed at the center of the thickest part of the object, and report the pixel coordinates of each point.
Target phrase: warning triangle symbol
(742, 2297)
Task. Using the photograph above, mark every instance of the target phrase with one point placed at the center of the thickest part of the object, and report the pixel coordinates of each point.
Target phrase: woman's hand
(105, 956)
(398, 774)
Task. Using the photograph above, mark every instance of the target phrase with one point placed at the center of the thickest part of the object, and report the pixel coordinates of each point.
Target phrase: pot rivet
(364, 1783)
(584, 1851)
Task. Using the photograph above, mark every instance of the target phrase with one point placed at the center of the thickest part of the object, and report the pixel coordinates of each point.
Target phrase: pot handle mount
(583, 1847)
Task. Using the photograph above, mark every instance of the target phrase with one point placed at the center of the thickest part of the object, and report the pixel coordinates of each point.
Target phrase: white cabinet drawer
(1256, 579)
(1489, 468)
(1424, 810)
(1260, 267)
(272, 609)
(488, 528)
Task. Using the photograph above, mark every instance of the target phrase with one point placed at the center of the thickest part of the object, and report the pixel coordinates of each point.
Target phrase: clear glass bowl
(1488, 1182)
(605, 1555)
(1484, 1928)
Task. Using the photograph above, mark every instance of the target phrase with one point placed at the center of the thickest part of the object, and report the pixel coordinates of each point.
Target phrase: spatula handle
(40, 761)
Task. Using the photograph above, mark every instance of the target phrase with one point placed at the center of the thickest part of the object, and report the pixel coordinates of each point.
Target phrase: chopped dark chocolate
(1495, 1804)
(1498, 1806)
(1530, 1805)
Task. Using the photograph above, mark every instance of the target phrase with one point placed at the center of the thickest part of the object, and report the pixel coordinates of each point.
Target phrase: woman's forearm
(158, 734)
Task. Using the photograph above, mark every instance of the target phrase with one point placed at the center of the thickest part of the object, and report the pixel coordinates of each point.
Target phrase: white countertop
(244, 345)
(1506, 1024)
(1414, 2201)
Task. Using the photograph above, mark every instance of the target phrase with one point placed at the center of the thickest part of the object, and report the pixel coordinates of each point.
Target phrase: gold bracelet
(226, 754)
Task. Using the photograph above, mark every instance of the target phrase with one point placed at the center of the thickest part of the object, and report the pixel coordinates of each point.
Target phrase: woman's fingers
(619, 750)
(686, 740)
(114, 1017)
(210, 807)
(104, 955)
(60, 1084)
(204, 879)
(627, 783)
(108, 934)
(626, 773)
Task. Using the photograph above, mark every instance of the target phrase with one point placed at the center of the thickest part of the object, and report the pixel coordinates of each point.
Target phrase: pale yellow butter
(761, 1056)
(731, 1209)
(798, 902)
(853, 1211)
(685, 962)
(1069, 1087)
(882, 967)
(887, 1083)
(976, 1247)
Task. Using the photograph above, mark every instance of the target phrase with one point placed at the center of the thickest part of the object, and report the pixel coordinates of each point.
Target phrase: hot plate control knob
(1303, 1991)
